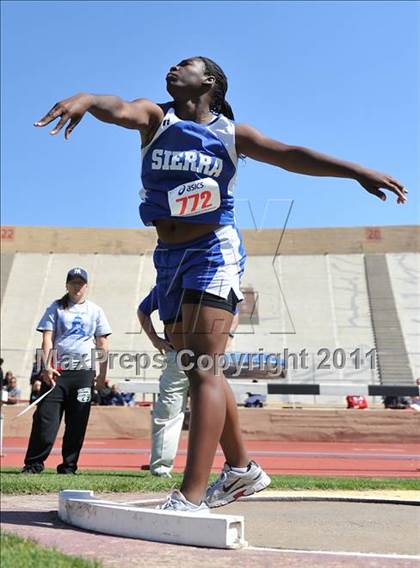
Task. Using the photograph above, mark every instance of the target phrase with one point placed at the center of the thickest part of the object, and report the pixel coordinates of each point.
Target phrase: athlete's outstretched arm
(250, 142)
(140, 114)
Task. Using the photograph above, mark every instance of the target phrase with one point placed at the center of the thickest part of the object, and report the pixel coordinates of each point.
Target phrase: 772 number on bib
(194, 198)
(197, 200)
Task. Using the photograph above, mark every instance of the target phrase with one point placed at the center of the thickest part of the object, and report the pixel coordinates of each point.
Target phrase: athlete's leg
(231, 439)
(205, 332)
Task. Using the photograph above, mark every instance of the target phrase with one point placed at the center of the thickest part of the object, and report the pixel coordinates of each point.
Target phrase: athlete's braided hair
(218, 104)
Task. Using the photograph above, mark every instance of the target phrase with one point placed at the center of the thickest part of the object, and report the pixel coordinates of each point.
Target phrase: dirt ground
(285, 533)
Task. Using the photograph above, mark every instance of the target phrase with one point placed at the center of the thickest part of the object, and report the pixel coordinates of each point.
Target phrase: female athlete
(190, 148)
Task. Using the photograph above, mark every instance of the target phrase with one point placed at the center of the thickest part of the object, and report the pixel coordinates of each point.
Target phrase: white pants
(168, 416)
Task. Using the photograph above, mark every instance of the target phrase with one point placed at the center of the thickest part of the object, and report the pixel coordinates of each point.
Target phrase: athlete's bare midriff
(173, 231)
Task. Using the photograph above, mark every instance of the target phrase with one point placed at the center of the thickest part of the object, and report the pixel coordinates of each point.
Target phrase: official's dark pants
(72, 396)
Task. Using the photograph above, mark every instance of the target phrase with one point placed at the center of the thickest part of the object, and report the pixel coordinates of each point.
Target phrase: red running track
(285, 458)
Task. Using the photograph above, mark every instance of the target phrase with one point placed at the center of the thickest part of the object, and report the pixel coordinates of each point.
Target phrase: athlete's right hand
(48, 376)
(71, 109)
(162, 345)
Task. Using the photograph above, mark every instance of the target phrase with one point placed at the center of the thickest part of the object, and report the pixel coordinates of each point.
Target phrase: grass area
(16, 551)
(13, 483)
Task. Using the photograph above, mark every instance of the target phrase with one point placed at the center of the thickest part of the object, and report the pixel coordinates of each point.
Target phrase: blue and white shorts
(211, 265)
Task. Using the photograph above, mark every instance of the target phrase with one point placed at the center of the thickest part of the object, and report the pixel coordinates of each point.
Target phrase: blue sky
(339, 77)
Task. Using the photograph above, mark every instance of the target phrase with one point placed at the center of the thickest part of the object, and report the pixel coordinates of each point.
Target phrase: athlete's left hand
(372, 181)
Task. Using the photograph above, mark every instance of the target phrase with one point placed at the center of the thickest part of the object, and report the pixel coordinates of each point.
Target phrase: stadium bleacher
(404, 271)
(305, 301)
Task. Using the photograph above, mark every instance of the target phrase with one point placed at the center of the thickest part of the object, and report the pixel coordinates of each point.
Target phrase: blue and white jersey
(75, 329)
(189, 170)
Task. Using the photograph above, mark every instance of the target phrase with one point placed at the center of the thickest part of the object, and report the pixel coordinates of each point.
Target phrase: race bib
(194, 198)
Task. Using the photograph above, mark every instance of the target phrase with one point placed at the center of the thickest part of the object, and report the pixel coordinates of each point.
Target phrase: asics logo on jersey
(190, 160)
(190, 187)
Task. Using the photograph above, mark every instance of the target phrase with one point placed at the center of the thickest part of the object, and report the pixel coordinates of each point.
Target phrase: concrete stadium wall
(389, 426)
(341, 240)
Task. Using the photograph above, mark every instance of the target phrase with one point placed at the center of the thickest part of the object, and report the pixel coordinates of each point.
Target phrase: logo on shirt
(188, 161)
(190, 187)
(84, 395)
(77, 327)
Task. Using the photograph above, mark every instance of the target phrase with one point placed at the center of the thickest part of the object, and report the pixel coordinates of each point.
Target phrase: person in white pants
(168, 417)
(169, 410)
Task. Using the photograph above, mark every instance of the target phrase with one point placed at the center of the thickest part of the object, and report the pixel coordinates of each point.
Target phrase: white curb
(83, 510)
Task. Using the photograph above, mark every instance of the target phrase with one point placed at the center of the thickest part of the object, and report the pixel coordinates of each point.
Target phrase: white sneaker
(164, 474)
(161, 471)
(177, 502)
(230, 485)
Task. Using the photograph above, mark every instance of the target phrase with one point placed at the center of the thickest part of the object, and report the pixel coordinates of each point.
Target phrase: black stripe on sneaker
(227, 488)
